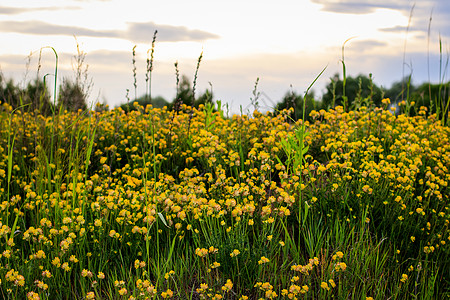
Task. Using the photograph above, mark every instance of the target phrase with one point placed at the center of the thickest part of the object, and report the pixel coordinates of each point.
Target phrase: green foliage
(157, 102)
(34, 97)
(146, 209)
(428, 95)
(185, 95)
(359, 90)
(295, 101)
(399, 90)
(71, 96)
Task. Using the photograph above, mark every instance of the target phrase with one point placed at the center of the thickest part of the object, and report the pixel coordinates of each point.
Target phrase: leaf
(13, 229)
(10, 155)
(305, 150)
(160, 215)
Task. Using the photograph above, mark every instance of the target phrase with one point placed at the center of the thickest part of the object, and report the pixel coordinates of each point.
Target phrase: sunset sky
(282, 42)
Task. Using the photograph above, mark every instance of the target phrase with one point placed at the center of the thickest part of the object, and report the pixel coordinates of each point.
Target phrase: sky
(284, 43)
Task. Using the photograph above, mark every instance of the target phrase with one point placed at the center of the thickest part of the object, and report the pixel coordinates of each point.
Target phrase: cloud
(4, 10)
(364, 46)
(143, 32)
(136, 32)
(362, 7)
(7, 10)
(43, 28)
(421, 11)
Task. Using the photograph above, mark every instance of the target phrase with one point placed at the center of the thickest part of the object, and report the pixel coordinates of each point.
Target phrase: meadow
(194, 204)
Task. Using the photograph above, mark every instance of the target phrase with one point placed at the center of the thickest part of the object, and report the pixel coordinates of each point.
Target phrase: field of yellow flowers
(191, 204)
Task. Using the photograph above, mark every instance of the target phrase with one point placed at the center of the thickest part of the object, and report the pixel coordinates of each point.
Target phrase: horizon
(284, 44)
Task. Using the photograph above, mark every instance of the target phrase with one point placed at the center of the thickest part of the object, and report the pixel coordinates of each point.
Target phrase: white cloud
(136, 32)
(10, 10)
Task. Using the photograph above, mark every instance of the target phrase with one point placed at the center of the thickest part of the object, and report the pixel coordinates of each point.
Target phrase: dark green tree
(185, 95)
(292, 99)
(143, 101)
(9, 92)
(432, 96)
(33, 98)
(74, 94)
(71, 96)
(400, 90)
(360, 91)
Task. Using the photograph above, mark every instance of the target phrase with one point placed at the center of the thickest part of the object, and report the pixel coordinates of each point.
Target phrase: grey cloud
(13, 59)
(12, 10)
(362, 7)
(143, 32)
(403, 29)
(136, 32)
(363, 45)
(7, 10)
(43, 28)
(105, 57)
(438, 9)
(440, 23)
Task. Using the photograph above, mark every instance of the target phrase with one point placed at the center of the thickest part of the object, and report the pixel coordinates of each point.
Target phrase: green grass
(192, 204)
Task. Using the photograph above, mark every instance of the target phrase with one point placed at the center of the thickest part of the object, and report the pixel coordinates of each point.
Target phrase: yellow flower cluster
(76, 189)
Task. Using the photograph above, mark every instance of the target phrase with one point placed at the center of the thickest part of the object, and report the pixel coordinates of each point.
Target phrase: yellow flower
(123, 291)
(235, 253)
(167, 294)
(271, 294)
(213, 250)
(47, 274)
(56, 262)
(263, 260)
(32, 296)
(202, 252)
(341, 266)
(386, 101)
(404, 278)
(65, 267)
(325, 286)
(41, 285)
(332, 283)
(228, 286)
(40, 254)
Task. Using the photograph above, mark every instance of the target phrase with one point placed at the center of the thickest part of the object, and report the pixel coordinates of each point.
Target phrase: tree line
(352, 93)
(362, 91)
